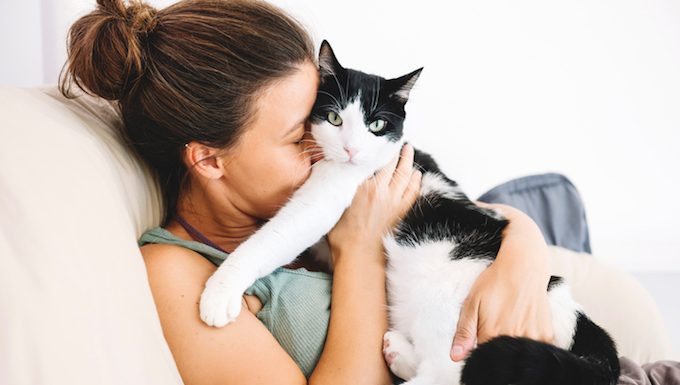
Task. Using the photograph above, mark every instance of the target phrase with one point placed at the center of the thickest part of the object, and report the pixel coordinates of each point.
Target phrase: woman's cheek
(300, 163)
(311, 149)
(302, 169)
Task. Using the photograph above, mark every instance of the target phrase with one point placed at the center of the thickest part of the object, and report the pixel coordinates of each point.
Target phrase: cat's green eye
(334, 118)
(377, 125)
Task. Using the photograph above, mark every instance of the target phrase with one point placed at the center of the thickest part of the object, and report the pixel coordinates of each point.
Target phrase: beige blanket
(616, 301)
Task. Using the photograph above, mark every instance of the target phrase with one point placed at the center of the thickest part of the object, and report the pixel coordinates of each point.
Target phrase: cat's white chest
(422, 280)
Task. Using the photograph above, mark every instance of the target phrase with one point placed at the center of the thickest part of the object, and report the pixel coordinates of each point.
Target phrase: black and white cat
(434, 255)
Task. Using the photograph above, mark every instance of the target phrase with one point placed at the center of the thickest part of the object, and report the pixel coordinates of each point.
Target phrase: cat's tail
(592, 360)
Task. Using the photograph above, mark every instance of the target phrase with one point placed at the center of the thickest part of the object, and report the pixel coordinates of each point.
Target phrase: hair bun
(107, 49)
(141, 17)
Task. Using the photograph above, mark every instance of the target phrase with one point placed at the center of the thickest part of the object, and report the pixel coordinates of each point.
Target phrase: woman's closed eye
(298, 139)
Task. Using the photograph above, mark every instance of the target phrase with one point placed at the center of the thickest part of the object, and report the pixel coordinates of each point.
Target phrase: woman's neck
(226, 226)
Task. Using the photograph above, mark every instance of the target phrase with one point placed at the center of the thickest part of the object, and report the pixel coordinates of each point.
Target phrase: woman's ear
(203, 160)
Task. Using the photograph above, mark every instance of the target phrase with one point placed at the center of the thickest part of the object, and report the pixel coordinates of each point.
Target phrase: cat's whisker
(329, 106)
(342, 95)
(346, 87)
(320, 145)
(332, 96)
(312, 165)
(375, 100)
(387, 115)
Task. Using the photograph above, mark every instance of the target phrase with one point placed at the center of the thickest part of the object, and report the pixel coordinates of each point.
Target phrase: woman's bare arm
(240, 353)
(353, 350)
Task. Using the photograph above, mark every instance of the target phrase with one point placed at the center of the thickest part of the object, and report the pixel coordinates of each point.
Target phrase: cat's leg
(427, 375)
(435, 365)
(309, 214)
(400, 354)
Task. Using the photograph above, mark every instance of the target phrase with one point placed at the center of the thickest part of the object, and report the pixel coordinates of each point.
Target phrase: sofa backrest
(75, 303)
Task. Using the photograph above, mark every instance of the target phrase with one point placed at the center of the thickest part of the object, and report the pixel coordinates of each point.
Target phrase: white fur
(425, 294)
(426, 290)
(434, 183)
(563, 310)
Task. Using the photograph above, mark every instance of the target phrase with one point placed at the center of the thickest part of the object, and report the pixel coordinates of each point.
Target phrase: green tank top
(296, 303)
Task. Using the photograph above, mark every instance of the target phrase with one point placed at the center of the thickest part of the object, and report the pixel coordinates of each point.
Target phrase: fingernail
(457, 350)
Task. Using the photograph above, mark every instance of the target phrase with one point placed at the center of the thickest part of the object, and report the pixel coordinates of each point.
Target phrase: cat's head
(358, 117)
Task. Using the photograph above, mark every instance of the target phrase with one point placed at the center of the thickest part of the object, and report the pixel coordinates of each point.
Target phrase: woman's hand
(377, 206)
(510, 296)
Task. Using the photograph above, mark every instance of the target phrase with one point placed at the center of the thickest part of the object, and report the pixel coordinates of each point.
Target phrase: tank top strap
(161, 235)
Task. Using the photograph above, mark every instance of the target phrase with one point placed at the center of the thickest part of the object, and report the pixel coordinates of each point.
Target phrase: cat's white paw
(399, 355)
(222, 296)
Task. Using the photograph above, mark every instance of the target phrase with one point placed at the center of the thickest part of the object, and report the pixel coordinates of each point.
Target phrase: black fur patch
(504, 360)
(554, 281)
(594, 343)
(435, 218)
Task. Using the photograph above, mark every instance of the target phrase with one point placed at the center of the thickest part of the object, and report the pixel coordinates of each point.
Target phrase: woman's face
(270, 160)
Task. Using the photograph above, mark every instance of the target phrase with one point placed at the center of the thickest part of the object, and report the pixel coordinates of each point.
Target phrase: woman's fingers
(384, 175)
(402, 174)
(466, 330)
(398, 172)
(399, 182)
(411, 192)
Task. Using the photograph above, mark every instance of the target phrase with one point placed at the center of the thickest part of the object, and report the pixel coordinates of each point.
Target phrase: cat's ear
(328, 64)
(401, 86)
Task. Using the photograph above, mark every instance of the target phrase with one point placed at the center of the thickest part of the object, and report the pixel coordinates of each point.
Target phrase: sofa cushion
(75, 302)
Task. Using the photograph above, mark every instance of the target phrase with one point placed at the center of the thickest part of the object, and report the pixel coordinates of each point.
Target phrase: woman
(215, 97)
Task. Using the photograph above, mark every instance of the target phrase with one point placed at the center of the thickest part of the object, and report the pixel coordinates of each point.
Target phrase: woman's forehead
(286, 102)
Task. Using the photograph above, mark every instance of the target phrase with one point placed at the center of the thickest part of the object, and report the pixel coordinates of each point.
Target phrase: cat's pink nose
(350, 151)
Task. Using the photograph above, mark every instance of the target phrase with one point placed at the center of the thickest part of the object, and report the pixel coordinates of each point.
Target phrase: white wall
(587, 88)
(20, 42)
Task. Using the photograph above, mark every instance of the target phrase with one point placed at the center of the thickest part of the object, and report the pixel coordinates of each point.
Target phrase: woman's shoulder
(173, 256)
(160, 235)
(167, 263)
(167, 251)
(177, 276)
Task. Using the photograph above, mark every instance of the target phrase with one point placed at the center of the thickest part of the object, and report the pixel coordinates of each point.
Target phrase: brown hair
(191, 71)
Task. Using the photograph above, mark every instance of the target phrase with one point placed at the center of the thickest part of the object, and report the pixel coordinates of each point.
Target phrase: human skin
(509, 297)
(234, 191)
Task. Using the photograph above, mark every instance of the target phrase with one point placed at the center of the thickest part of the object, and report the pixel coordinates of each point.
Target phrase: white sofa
(75, 305)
